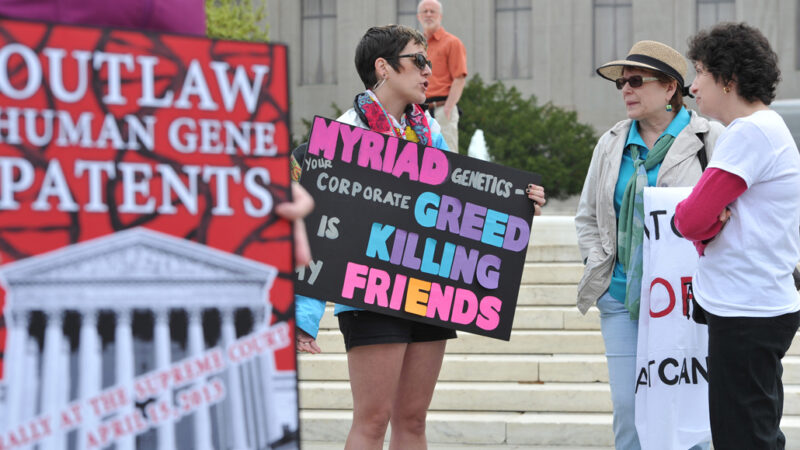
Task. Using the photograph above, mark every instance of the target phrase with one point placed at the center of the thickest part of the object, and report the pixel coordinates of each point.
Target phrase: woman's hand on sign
(305, 343)
(296, 210)
(536, 193)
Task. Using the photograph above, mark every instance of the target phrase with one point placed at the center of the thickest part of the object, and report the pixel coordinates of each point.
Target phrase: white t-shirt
(747, 268)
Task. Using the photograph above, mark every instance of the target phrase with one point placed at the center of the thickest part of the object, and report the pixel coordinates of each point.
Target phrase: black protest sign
(414, 231)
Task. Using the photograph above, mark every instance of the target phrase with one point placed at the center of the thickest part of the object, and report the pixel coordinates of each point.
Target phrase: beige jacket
(596, 221)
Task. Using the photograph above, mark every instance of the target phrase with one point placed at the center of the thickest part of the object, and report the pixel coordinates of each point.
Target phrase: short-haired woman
(743, 218)
(393, 363)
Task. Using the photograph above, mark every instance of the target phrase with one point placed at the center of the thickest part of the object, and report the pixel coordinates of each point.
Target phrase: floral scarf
(412, 126)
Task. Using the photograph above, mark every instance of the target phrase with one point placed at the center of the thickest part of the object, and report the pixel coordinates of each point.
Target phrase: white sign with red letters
(671, 370)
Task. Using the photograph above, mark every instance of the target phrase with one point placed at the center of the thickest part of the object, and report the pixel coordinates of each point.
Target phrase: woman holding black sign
(394, 363)
(660, 144)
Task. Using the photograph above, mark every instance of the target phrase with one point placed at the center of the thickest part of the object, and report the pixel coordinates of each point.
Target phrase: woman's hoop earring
(379, 84)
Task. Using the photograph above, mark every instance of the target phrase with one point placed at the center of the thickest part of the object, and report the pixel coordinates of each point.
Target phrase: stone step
(548, 295)
(446, 430)
(544, 429)
(481, 396)
(500, 396)
(521, 368)
(525, 318)
(791, 366)
(553, 253)
(518, 368)
(483, 430)
(522, 342)
(553, 230)
(314, 445)
(552, 273)
(553, 240)
(555, 318)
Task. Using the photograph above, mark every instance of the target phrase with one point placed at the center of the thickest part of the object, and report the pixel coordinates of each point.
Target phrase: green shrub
(519, 133)
(236, 19)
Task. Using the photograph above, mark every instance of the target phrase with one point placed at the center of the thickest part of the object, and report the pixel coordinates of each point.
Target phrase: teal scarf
(630, 225)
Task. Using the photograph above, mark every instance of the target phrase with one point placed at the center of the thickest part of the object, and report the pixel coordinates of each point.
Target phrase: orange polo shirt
(449, 58)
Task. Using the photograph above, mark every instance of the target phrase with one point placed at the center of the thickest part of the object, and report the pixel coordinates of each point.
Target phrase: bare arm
(299, 207)
(456, 89)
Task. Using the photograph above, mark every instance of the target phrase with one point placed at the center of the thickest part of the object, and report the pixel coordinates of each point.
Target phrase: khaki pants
(449, 127)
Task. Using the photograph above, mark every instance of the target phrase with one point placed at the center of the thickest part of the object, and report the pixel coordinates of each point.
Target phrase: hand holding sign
(536, 194)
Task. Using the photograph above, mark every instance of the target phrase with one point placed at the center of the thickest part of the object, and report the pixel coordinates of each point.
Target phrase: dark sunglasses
(635, 81)
(419, 60)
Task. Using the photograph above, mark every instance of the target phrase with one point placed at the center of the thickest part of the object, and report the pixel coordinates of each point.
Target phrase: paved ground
(324, 446)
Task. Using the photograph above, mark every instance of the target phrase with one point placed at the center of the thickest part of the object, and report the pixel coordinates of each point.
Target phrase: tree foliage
(236, 19)
(519, 133)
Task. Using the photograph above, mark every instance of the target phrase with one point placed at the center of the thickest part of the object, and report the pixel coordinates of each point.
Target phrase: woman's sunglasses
(419, 60)
(635, 81)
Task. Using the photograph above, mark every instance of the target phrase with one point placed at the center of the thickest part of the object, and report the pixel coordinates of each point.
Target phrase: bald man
(449, 59)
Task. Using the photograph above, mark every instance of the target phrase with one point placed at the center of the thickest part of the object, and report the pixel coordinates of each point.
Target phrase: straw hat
(649, 55)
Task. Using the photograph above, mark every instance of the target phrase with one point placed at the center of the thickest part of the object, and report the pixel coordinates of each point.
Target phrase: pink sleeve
(697, 217)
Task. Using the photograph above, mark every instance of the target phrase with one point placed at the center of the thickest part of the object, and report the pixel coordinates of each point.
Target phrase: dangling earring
(379, 84)
(668, 107)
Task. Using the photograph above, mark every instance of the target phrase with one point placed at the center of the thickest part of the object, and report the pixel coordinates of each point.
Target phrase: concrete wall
(561, 33)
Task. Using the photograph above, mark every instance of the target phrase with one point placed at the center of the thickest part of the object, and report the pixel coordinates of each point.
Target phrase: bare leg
(421, 366)
(374, 374)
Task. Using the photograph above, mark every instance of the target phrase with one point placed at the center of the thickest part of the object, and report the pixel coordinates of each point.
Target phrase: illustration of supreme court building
(100, 313)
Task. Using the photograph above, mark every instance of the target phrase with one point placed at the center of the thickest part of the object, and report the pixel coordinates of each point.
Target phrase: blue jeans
(620, 335)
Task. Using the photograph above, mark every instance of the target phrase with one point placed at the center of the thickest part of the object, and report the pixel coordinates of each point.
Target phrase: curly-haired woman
(743, 217)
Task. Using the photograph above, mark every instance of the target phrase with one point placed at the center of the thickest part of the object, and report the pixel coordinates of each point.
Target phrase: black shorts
(368, 328)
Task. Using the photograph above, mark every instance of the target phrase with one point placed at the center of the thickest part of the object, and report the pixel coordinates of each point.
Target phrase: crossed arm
(702, 215)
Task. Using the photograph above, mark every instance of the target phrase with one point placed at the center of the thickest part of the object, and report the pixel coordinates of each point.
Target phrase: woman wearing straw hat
(663, 143)
(743, 217)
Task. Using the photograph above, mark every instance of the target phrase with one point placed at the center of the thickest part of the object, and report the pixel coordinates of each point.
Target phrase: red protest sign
(138, 175)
